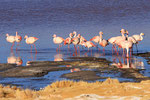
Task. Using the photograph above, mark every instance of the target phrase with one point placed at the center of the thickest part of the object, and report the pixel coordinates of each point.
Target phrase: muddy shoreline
(78, 67)
(73, 90)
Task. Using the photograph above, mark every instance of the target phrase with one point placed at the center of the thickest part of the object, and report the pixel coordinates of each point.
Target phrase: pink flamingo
(89, 44)
(95, 39)
(117, 39)
(68, 40)
(10, 39)
(58, 40)
(76, 40)
(31, 40)
(102, 42)
(126, 44)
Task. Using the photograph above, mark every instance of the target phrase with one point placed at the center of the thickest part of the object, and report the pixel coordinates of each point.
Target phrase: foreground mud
(110, 89)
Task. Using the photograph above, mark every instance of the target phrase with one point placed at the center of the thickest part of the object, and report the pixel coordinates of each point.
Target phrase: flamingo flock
(124, 41)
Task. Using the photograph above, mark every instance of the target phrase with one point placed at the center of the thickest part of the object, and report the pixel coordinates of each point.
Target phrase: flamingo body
(30, 40)
(10, 39)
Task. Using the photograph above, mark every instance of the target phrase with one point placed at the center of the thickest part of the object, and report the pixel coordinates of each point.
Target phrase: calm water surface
(43, 18)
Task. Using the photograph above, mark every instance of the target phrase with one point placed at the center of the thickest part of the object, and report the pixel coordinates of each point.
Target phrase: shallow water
(43, 18)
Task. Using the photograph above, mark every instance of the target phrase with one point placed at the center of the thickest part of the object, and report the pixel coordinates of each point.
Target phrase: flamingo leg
(116, 50)
(127, 52)
(113, 47)
(79, 50)
(75, 49)
(130, 51)
(31, 48)
(123, 52)
(104, 51)
(35, 49)
(68, 47)
(17, 46)
(12, 46)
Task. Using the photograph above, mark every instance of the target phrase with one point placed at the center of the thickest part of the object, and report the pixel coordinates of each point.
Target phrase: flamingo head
(71, 35)
(54, 35)
(25, 37)
(142, 34)
(74, 32)
(18, 38)
(126, 32)
(7, 35)
(122, 31)
(101, 32)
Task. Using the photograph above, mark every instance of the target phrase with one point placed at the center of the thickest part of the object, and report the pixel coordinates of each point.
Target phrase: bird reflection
(58, 57)
(73, 69)
(128, 63)
(14, 59)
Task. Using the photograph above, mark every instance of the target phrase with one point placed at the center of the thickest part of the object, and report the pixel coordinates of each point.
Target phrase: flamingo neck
(75, 34)
(141, 36)
(127, 37)
(16, 33)
(101, 37)
(70, 35)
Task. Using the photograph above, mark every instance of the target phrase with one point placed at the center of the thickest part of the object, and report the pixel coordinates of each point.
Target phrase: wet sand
(110, 89)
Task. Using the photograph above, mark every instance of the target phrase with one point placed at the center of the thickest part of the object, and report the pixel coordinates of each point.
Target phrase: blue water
(43, 18)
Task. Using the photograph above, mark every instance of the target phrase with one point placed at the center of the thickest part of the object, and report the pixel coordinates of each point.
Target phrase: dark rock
(132, 73)
(146, 54)
(82, 75)
(6, 66)
(30, 71)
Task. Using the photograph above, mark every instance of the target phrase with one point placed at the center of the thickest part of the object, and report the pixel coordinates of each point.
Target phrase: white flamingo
(31, 40)
(138, 38)
(58, 40)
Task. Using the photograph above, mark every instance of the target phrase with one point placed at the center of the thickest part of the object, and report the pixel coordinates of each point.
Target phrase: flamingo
(31, 40)
(102, 42)
(68, 40)
(131, 39)
(117, 39)
(88, 44)
(76, 40)
(138, 38)
(10, 39)
(58, 40)
(126, 44)
(95, 39)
